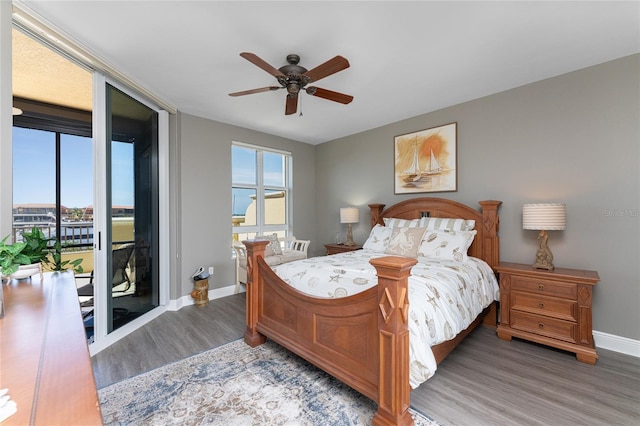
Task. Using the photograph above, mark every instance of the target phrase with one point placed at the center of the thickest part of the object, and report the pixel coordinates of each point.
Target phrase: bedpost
(393, 331)
(376, 212)
(255, 248)
(490, 224)
(491, 249)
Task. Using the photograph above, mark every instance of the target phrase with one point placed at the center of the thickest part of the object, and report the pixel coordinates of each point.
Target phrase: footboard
(363, 340)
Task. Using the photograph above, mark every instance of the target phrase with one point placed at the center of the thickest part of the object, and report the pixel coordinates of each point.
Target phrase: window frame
(59, 121)
(261, 228)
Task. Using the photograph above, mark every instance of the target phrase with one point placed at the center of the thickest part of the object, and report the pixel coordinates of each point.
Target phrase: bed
(363, 339)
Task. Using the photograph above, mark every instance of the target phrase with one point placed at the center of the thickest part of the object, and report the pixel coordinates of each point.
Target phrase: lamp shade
(544, 216)
(349, 215)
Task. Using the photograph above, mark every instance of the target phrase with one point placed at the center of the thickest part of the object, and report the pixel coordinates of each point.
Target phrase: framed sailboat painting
(426, 161)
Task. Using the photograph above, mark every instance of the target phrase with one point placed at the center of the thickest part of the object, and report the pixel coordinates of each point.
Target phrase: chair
(120, 259)
(241, 264)
(292, 249)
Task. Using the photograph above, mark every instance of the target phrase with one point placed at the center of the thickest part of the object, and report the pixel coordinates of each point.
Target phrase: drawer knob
(541, 305)
(541, 287)
(540, 325)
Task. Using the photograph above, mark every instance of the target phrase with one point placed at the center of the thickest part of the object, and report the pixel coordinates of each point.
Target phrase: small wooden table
(340, 248)
(45, 357)
(548, 307)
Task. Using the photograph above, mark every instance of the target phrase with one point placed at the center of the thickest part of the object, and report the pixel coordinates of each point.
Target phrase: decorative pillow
(405, 241)
(445, 244)
(378, 239)
(274, 244)
(394, 222)
(443, 223)
(273, 248)
(267, 249)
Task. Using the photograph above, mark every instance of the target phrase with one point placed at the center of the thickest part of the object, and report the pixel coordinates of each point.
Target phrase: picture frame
(426, 160)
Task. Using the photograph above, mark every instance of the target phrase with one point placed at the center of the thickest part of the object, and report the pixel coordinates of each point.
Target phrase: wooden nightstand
(340, 248)
(548, 307)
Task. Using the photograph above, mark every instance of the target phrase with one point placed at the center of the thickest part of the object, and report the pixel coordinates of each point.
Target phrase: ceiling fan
(295, 78)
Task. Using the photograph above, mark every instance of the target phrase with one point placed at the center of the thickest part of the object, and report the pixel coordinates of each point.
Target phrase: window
(261, 188)
(59, 150)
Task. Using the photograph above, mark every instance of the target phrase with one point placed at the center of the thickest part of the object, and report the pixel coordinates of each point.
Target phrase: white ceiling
(407, 58)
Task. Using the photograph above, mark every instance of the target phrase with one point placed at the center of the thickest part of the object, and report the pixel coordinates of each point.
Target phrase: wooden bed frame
(363, 339)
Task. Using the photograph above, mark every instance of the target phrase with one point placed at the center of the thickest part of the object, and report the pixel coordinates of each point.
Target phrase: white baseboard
(187, 300)
(617, 343)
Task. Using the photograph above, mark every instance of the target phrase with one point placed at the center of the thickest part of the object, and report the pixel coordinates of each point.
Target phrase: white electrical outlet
(210, 270)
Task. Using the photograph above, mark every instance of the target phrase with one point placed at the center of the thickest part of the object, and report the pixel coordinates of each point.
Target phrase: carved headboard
(486, 244)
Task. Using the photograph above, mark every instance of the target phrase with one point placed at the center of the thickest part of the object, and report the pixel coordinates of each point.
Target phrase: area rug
(237, 385)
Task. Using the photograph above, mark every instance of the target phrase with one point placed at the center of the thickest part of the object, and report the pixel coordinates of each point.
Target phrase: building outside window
(261, 191)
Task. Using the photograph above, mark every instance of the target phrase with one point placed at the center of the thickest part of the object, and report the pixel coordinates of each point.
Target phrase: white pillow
(394, 222)
(443, 223)
(405, 241)
(378, 239)
(445, 244)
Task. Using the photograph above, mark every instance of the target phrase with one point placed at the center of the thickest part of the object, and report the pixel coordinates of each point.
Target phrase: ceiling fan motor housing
(295, 78)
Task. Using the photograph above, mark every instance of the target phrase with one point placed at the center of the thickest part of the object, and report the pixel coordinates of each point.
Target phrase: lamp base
(349, 241)
(546, 266)
(544, 257)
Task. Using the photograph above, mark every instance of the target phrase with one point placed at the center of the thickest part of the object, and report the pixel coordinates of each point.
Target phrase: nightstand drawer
(544, 326)
(545, 305)
(539, 286)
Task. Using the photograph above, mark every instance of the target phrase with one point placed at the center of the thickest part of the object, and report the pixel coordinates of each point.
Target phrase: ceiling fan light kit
(295, 78)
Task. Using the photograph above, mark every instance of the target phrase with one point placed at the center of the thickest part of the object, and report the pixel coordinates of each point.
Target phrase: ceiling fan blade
(252, 91)
(291, 106)
(332, 66)
(329, 94)
(254, 59)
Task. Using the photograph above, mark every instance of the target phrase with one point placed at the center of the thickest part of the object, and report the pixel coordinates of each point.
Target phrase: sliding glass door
(132, 200)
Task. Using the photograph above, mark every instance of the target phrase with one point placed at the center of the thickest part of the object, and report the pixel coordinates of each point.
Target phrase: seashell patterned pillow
(446, 244)
(378, 239)
(405, 241)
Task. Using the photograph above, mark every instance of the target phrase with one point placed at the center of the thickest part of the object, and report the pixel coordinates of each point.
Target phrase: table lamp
(349, 215)
(544, 217)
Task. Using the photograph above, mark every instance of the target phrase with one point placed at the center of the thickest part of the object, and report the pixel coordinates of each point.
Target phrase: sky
(34, 176)
(244, 171)
(34, 171)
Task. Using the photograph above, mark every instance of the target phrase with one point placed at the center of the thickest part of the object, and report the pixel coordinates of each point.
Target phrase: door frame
(102, 339)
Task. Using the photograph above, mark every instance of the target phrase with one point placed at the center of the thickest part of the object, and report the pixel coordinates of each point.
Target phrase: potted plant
(24, 259)
(11, 256)
(55, 262)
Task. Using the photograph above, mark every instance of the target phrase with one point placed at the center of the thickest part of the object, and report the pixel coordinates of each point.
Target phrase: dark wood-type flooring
(485, 381)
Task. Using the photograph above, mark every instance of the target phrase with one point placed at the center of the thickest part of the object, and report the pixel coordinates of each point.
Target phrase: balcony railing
(77, 237)
(74, 234)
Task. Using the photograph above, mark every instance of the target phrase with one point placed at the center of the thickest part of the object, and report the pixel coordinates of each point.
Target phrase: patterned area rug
(237, 385)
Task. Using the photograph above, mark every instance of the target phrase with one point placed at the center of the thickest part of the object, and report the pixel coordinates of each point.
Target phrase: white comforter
(444, 296)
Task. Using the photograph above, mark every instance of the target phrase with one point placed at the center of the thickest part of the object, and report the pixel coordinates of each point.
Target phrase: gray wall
(572, 139)
(204, 180)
